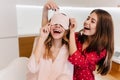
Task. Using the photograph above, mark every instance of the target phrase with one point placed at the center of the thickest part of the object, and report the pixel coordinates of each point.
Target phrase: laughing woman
(93, 45)
(49, 59)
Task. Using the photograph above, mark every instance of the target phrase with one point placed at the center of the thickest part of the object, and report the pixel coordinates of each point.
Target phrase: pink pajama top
(84, 62)
(60, 69)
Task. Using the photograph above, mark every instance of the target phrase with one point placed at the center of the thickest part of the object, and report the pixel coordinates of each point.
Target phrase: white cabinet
(8, 32)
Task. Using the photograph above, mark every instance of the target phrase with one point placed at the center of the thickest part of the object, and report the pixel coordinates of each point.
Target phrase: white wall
(8, 32)
(29, 18)
(75, 3)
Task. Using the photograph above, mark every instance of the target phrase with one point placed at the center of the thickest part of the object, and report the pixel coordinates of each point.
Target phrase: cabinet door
(8, 51)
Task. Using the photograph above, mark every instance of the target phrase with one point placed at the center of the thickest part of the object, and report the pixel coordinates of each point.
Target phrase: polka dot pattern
(84, 63)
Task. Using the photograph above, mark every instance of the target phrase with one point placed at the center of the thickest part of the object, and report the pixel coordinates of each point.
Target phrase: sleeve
(67, 73)
(103, 54)
(32, 65)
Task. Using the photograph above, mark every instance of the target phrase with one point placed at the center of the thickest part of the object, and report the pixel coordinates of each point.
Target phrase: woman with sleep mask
(49, 58)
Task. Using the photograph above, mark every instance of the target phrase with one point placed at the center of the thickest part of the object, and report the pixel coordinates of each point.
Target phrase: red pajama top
(84, 62)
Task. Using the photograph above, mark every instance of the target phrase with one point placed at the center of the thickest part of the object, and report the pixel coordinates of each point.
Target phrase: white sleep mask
(59, 18)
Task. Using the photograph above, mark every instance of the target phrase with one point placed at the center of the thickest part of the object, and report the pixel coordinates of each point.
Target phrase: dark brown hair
(102, 39)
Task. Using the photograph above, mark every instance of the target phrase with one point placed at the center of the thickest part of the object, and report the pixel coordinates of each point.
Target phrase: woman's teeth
(57, 31)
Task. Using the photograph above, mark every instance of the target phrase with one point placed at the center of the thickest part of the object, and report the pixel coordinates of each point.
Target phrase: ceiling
(74, 3)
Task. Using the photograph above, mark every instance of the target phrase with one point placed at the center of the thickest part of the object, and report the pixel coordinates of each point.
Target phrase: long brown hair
(102, 39)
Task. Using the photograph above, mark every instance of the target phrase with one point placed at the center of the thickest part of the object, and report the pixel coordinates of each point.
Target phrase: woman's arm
(50, 5)
(34, 58)
(38, 49)
(72, 42)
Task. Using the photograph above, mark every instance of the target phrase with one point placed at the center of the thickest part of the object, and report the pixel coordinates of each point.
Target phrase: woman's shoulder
(78, 34)
(78, 37)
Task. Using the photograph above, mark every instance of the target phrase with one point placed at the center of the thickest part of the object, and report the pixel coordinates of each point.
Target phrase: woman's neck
(86, 43)
(57, 43)
(89, 39)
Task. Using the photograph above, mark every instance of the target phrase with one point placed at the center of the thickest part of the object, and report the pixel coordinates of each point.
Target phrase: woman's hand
(44, 31)
(73, 24)
(51, 5)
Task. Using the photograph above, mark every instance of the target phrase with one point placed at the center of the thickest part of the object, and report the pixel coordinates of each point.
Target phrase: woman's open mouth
(56, 31)
(86, 28)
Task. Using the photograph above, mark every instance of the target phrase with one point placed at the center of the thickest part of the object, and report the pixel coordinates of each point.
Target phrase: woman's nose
(87, 21)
